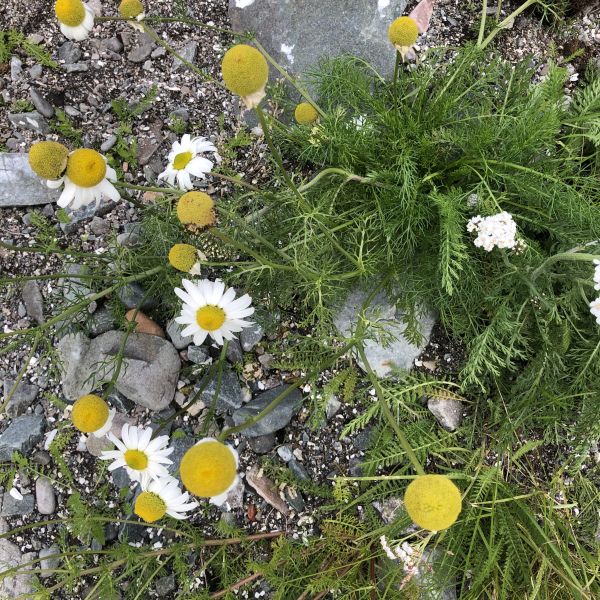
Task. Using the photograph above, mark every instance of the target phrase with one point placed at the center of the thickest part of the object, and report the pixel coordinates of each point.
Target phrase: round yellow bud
(403, 32)
(69, 12)
(183, 257)
(305, 113)
(196, 208)
(433, 502)
(89, 413)
(208, 469)
(245, 70)
(86, 167)
(130, 9)
(48, 160)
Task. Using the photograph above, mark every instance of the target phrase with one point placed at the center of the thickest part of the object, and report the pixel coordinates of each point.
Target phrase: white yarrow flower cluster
(404, 553)
(495, 231)
(595, 304)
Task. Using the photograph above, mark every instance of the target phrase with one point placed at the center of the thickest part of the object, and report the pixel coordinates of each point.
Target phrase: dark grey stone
(198, 355)
(174, 332)
(78, 67)
(49, 564)
(250, 336)
(12, 507)
(234, 352)
(447, 411)
(34, 302)
(19, 185)
(148, 375)
(363, 440)
(332, 407)
(69, 52)
(277, 419)
(298, 470)
(133, 295)
(139, 47)
(262, 443)
(120, 478)
(99, 226)
(101, 321)
(30, 120)
(188, 52)
(41, 104)
(230, 393)
(180, 446)
(294, 499)
(22, 399)
(21, 436)
(165, 585)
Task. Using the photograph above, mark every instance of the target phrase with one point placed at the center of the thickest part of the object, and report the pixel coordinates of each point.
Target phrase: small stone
(101, 321)
(198, 355)
(389, 508)
(108, 143)
(35, 38)
(19, 185)
(144, 324)
(133, 295)
(181, 113)
(80, 67)
(45, 496)
(188, 52)
(234, 352)
(146, 149)
(34, 303)
(99, 226)
(194, 409)
(266, 489)
(69, 52)
(332, 407)
(294, 499)
(298, 470)
(41, 457)
(12, 507)
(165, 585)
(49, 564)
(174, 330)
(140, 48)
(250, 336)
(23, 397)
(36, 72)
(113, 44)
(266, 360)
(447, 411)
(96, 445)
(16, 68)
(262, 444)
(285, 453)
(21, 436)
(128, 239)
(158, 52)
(41, 104)
(230, 392)
(30, 120)
(14, 586)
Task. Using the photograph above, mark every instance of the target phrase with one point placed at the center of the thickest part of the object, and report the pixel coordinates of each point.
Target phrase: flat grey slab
(19, 185)
(297, 33)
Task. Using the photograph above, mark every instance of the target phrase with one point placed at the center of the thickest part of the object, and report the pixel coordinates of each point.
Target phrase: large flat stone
(298, 34)
(19, 185)
(21, 436)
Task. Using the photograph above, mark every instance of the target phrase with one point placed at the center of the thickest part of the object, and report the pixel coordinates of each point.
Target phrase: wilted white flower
(163, 496)
(595, 309)
(494, 231)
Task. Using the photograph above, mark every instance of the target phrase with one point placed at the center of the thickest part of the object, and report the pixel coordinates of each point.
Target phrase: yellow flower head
(196, 208)
(130, 9)
(305, 113)
(183, 257)
(89, 413)
(433, 502)
(209, 468)
(70, 12)
(245, 70)
(48, 160)
(86, 167)
(150, 507)
(403, 32)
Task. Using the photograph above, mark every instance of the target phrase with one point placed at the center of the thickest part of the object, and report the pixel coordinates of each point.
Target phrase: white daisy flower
(163, 496)
(91, 414)
(595, 309)
(75, 18)
(87, 179)
(143, 458)
(185, 161)
(211, 309)
(209, 470)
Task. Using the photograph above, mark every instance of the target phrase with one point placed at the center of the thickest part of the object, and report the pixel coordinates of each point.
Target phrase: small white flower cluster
(495, 231)
(404, 553)
(595, 304)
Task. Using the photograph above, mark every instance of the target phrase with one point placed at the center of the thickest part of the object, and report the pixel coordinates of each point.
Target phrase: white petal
(68, 194)
(200, 337)
(199, 166)
(144, 438)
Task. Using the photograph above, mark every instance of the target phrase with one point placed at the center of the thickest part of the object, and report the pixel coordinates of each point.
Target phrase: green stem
(146, 188)
(482, 23)
(396, 68)
(569, 255)
(503, 24)
(335, 171)
(236, 181)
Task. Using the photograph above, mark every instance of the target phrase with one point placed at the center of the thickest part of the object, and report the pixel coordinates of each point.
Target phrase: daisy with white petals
(75, 18)
(163, 496)
(87, 179)
(209, 308)
(185, 161)
(143, 458)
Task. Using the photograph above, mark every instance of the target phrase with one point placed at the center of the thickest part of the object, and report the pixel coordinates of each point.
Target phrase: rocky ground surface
(72, 103)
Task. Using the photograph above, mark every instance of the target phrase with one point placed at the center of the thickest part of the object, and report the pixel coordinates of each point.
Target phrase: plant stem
(146, 188)
(569, 255)
(482, 23)
(503, 24)
(236, 181)
(396, 68)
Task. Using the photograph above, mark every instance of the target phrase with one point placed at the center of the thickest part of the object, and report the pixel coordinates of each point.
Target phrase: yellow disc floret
(130, 9)
(86, 167)
(136, 459)
(89, 413)
(183, 257)
(196, 208)
(150, 507)
(403, 32)
(210, 317)
(433, 502)
(305, 113)
(245, 70)
(208, 469)
(48, 159)
(70, 12)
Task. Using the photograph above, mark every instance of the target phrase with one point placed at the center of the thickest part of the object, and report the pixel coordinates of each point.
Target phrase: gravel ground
(116, 62)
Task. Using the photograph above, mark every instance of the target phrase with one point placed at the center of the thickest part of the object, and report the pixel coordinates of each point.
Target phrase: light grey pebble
(34, 302)
(33, 121)
(23, 397)
(45, 496)
(69, 52)
(447, 411)
(36, 72)
(49, 564)
(332, 408)
(174, 332)
(250, 336)
(99, 226)
(78, 67)
(16, 68)
(198, 355)
(285, 453)
(108, 143)
(41, 104)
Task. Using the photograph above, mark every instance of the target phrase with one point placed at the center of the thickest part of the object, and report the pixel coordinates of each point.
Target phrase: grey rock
(262, 443)
(285, 453)
(389, 508)
(128, 239)
(294, 499)
(165, 585)
(298, 34)
(298, 470)
(133, 295)
(266, 489)
(108, 143)
(234, 352)
(35, 38)
(16, 586)
(266, 360)
(36, 72)
(174, 332)
(41, 457)
(99, 226)
(250, 336)
(181, 113)
(198, 355)
(188, 52)
(101, 321)
(45, 496)
(69, 52)
(12, 507)
(23, 397)
(139, 48)
(390, 349)
(447, 411)
(29, 120)
(113, 44)
(180, 446)
(21, 436)
(120, 478)
(332, 407)
(34, 303)
(277, 419)
(148, 375)
(146, 150)
(41, 104)
(49, 561)
(157, 52)
(16, 68)
(75, 289)
(96, 445)
(230, 393)
(78, 67)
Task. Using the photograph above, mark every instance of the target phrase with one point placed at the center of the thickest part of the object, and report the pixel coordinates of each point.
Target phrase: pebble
(250, 336)
(16, 68)
(298, 470)
(33, 121)
(45, 496)
(234, 352)
(12, 507)
(99, 226)
(80, 67)
(266, 489)
(69, 52)
(49, 564)
(36, 72)
(41, 104)
(262, 443)
(447, 411)
(21, 436)
(108, 143)
(188, 52)
(174, 330)
(285, 453)
(198, 355)
(34, 302)
(144, 324)
(23, 397)
(16, 586)
(133, 295)
(332, 408)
